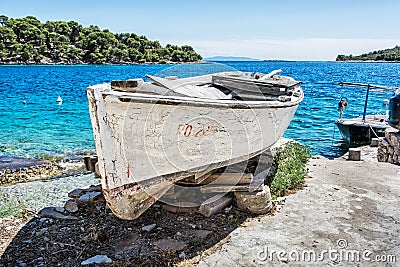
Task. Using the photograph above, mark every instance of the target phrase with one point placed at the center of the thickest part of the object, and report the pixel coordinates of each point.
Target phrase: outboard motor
(394, 110)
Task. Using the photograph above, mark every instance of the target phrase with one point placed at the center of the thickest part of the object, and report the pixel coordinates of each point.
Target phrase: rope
(373, 131)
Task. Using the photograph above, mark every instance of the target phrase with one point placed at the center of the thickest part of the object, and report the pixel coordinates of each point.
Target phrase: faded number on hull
(200, 130)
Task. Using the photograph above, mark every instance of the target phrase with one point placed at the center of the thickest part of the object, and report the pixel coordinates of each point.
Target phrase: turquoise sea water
(42, 127)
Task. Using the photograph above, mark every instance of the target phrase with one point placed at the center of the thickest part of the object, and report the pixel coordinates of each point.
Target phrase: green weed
(290, 165)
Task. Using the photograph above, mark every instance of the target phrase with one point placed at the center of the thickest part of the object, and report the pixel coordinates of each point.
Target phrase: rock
(50, 212)
(181, 207)
(60, 209)
(374, 142)
(201, 233)
(89, 197)
(94, 188)
(182, 255)
(170, 244)
(76, 193)
(148, 228)
(255, 202)
(71, 206)
(97, 260)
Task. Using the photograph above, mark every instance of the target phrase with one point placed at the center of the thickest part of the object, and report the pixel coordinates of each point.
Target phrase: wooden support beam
(220, 179)
(224, 188)
(215, 204)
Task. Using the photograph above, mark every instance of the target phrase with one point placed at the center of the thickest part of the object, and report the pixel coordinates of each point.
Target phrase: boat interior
(244, 86)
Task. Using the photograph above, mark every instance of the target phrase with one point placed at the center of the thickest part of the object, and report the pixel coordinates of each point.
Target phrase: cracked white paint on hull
(149, 139)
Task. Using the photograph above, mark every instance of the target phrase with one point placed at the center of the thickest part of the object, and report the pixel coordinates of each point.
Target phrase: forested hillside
(391, 54)
(28, 40)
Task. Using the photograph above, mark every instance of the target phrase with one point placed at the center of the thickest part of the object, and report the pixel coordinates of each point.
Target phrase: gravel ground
(37, 195)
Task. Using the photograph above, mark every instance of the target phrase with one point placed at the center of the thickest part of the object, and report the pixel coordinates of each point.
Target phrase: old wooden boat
(151, 134)
(360, 130)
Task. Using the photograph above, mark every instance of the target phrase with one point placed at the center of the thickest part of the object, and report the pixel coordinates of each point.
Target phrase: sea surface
(42, 127)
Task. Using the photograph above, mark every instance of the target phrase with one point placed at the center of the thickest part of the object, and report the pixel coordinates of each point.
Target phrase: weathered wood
(355, 154)
(253, 87)
(197, 179)
(189, 89)
(224, 188)
(90, 162)
(220, 179)
(126, 85)
(215, 204)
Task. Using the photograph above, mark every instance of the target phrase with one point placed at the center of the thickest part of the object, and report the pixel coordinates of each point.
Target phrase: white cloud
(288, 49)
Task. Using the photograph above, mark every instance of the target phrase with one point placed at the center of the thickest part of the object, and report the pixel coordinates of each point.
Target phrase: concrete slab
(348, 215)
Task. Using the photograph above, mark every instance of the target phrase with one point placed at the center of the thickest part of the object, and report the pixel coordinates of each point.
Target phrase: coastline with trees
(29, 41)
(386, 55)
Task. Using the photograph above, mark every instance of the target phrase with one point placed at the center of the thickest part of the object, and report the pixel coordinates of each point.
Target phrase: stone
(354, 154)
(182, 255)
(94, 188)
(181, 207)
(255, 202)
(201, 233)
(60, 209)
(71, 206)
(98, 259)
(170, 244)
(148, 228)
(76, 193)
(374, 142)
(50, 212)
(89, 196)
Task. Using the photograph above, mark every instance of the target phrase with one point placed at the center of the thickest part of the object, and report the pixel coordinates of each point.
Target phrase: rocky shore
(17, 170)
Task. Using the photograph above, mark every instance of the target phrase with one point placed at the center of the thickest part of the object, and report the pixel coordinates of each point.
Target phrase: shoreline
(105, 64)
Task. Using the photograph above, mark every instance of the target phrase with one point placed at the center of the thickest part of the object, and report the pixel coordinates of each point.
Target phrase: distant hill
(391, 54)
(223, 58)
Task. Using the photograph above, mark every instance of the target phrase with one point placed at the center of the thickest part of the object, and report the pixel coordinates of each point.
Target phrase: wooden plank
(224, 188)
(220, 179)
(258, 181)
(215, 204)
(196, 179)
(188, 89)
(126, 85)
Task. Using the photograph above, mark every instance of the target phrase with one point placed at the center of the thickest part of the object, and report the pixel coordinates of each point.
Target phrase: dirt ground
(176, 237)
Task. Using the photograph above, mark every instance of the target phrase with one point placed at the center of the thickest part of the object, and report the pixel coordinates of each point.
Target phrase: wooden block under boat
(219, 178)
(215, 204)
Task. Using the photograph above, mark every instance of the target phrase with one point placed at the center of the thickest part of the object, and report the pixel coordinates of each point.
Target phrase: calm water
(42, 127)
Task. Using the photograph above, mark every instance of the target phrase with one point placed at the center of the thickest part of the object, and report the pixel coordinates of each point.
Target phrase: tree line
(391, 54)
(27, 40)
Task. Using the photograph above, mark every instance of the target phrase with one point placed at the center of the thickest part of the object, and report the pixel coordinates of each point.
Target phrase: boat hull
(146, 143)
(360, 133)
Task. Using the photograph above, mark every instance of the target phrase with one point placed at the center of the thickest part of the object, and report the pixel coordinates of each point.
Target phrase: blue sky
(289, 29)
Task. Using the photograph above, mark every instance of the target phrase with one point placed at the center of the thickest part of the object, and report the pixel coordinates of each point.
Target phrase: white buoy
(59, 99)
(24, 102)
